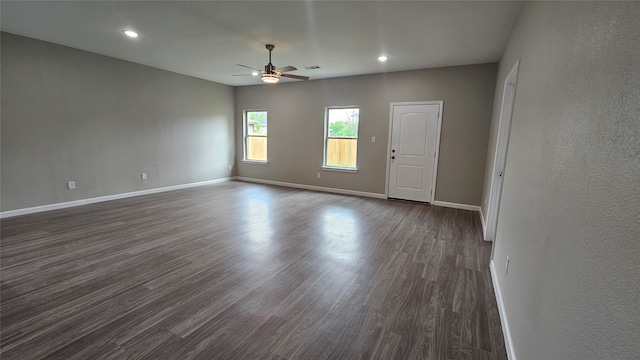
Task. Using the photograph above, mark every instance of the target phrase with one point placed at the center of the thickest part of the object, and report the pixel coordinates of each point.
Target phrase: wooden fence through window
(257, 148)
(342, 152)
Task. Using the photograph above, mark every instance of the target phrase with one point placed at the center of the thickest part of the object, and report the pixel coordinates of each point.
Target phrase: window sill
(339, 169)
(255, 162)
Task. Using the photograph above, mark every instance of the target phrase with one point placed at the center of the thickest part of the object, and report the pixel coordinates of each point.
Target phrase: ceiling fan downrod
(269, 68)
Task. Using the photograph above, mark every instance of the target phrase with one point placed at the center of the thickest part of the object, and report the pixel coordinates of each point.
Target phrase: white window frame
(326, 139)
(245, 136)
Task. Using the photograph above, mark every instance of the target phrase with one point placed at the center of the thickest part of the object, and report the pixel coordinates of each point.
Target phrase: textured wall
(570, 212)
(296, 120)
(73, 115)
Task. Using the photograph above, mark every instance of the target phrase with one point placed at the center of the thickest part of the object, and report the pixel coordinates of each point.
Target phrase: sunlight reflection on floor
(341, 233)
(259, 221)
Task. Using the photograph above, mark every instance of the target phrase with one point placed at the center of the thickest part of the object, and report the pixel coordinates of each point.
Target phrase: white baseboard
(314, 188)
(49, 207)
(456, 205)
(511, 355)
(484, 225)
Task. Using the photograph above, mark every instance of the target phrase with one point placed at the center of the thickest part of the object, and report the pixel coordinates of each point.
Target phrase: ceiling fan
(271, 74)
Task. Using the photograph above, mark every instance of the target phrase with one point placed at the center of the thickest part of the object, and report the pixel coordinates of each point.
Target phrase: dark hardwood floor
(246, 271)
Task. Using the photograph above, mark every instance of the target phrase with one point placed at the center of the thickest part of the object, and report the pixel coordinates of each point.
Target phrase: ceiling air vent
(312, 67)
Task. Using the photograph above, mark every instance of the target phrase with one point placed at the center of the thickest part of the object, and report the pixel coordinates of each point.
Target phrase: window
(255, 135)
(341, 137)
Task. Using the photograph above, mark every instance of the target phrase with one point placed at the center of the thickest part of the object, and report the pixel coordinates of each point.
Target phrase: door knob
(393, 157)
(500, 174)
(392, 150)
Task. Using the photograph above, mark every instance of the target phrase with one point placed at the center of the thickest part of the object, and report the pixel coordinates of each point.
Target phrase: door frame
(440, 104)
(500, 157)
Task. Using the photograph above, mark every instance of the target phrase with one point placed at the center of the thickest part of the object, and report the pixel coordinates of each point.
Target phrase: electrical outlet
(143, 176)
(373, 139)
(71, 185)
(318, 175)
(506, 266)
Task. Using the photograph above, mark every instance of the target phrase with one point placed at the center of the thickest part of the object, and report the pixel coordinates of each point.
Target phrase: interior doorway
(502, 142)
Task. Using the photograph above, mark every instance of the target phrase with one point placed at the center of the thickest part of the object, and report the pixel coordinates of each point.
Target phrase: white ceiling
(206, 39)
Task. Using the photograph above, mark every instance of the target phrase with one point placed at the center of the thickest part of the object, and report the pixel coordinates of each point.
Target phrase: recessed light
(130, 33)
(254, 73)
(383, 58)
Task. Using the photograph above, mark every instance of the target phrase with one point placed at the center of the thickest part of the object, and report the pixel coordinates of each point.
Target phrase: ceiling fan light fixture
(270, 78)
(130, 33)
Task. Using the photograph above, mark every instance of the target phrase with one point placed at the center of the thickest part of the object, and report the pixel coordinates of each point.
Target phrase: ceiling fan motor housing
(269, 68)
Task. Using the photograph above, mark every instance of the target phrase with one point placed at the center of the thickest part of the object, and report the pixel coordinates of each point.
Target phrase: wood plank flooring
(246, 271)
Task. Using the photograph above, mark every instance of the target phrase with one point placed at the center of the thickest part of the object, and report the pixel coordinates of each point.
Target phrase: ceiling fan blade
(287, 69)
(297, 77)
(249, 67)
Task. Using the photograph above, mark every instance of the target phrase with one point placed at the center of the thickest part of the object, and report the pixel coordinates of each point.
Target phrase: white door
(497, 177)
(415, 134)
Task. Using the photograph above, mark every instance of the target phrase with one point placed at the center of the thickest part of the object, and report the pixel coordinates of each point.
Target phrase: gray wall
(296, 120)
(74, 115)
(570, 212)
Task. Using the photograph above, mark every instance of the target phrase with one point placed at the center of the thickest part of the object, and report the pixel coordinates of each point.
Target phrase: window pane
(342, 152)
(256, 135)
(256, 123)
(257, 148)
(343, 122)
